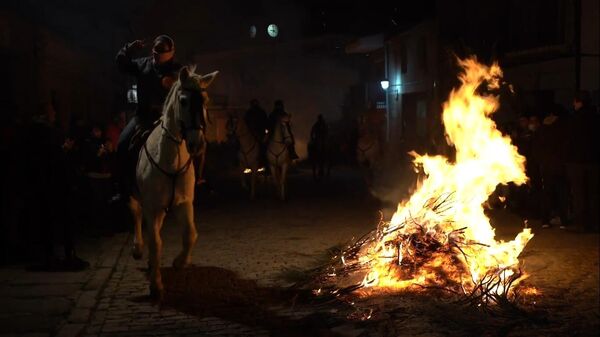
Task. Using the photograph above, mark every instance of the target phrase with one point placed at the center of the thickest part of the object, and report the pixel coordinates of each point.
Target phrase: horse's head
(190, 112)
(283, 123)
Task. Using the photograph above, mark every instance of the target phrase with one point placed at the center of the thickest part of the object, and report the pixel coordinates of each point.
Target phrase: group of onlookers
(56, 185)
(563, 159)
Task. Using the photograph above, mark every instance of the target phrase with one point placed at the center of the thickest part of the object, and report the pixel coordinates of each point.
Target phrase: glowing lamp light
(385, 84)
(132, 94)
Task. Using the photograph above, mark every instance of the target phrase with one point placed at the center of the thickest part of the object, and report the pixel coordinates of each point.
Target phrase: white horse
(248, 155)
(165, 173)
(278, 155)
(367, 154)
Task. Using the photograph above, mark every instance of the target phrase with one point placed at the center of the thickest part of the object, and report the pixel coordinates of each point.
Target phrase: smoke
(394, 179)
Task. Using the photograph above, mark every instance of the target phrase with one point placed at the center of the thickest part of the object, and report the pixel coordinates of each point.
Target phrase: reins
(246, 153)
(284, 148)
(172, 175)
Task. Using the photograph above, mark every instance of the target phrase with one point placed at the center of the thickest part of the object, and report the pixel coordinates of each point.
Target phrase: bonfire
(440, 237)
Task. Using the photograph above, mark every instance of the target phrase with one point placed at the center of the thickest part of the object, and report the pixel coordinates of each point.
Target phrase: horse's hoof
(137, 252)
(181, 262)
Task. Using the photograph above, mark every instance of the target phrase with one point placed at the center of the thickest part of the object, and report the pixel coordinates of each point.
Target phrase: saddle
(140, 135)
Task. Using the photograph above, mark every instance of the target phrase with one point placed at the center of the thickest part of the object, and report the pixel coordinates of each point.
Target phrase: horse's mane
(171, 96)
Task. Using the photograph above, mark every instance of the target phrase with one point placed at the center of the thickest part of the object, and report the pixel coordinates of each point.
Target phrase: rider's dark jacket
(151, 89)
(257, 121)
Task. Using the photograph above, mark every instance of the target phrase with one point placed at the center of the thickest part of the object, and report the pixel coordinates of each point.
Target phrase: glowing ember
(249, 170)
(441, 236)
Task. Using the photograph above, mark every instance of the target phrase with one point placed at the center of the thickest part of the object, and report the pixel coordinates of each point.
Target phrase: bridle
(282, 141)
(284, 135)
(238, 135)
(190, 101)
(187, 101)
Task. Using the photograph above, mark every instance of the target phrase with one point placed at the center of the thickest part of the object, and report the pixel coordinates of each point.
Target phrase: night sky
(214, 25)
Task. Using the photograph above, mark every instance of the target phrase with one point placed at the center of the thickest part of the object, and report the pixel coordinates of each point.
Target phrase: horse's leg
(253, 184)
(321, 167)
(275, 177)
(243, 178)
(137, 250)
(284, 168)
(184, 214)
(200, 167)
(154, 222)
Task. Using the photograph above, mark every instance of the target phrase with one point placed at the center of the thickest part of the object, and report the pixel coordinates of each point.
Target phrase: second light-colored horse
(165, 173)
(278, 155)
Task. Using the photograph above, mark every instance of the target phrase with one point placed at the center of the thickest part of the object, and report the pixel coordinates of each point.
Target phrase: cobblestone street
(244, 246)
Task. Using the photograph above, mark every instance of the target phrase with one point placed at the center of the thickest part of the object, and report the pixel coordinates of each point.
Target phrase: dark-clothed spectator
(49, 186)
(114, 129)
(583, 164)
(319, 130)
(318, 148)
(532, 167)
(522, 138)
(11, 200)
(97, 157)
(549, 151)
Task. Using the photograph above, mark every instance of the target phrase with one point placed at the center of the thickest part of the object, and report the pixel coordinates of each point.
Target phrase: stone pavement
(239, 257)
(123, 310)
(255, 243)
(260, 239)
(56, 304)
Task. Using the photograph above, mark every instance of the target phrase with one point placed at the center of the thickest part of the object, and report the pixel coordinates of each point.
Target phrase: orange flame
(484, 159)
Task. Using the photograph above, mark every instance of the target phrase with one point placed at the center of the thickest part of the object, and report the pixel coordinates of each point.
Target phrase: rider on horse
(256, 120)
(275, 116)
(155, 74)
(258, 123)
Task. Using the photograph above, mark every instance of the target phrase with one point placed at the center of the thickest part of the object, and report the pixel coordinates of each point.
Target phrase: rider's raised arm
(124, 59)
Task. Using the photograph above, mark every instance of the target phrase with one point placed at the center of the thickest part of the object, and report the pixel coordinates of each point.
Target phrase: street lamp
(385, 84)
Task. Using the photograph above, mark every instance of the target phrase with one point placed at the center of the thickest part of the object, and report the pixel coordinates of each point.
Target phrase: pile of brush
(409, 250)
